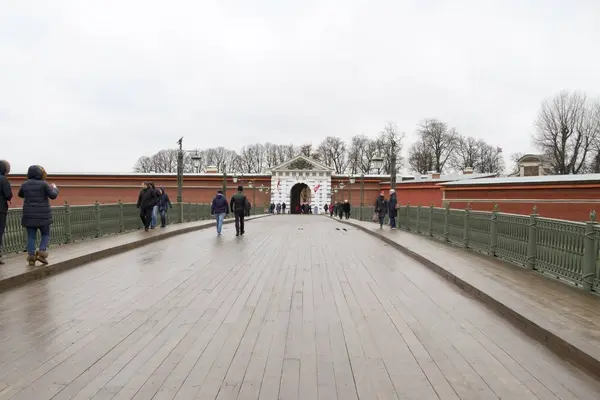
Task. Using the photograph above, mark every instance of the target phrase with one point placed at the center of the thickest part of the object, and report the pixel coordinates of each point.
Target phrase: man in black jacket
(5, 197)
(238, 205)
(146, 202)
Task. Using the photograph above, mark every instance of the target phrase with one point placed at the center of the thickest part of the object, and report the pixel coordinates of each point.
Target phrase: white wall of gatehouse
(319, 183)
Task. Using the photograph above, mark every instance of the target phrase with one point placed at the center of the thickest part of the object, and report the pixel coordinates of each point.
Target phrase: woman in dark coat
(381, 209)
(37, 213)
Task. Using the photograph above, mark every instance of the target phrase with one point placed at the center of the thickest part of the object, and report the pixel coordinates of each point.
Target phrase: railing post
(532, 242)
(98, 218)
(121, 217)
(418, 219)
(180, 212)
(446, 223)
(588, 268)
(430, 222)
(408, 216)
(68, 229)
(494, 231)
(466, 226)
(197, 211)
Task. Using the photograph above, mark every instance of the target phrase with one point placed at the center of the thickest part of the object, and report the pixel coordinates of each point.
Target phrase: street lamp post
(362, 194)
(251, 186)
(393, 166)
(225, 180)
(351, 180)
(196, 161)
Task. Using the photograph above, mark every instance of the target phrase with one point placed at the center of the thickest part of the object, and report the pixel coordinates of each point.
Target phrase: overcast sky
(89, 86)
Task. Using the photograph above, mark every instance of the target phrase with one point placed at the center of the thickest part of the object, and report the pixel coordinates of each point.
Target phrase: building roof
(141, 174)
(584, 178)
(450, 178)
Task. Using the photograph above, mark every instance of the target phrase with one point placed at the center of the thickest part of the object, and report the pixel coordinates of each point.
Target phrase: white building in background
(301, 180)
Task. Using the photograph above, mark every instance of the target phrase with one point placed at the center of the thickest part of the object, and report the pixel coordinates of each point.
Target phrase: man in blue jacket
(219, 209)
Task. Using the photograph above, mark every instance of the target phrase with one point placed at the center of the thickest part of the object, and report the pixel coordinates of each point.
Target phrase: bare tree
(389, 143)
(420, 157)
(440, 139)
(253, 158)
(360, 156)
(490, 160)
(566, 131)
(144, 165)
(466, 154)
(514, 161)
(307, 150)
(332, 152)
(165, 161)
(594, 161)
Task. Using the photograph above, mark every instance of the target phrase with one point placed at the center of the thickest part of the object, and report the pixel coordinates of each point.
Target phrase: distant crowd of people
(278, 208)
(340, 209)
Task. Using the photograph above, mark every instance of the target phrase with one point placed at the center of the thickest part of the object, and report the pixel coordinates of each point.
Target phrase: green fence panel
(560, 248)
(456, 226)
(513, 236)
(480, 223)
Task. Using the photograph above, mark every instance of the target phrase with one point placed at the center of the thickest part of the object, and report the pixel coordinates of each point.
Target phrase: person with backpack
(219, 209)
(5, 198)
(238, 204)
(37, 213)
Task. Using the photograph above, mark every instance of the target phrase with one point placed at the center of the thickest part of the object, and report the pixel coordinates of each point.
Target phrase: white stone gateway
(301, 180)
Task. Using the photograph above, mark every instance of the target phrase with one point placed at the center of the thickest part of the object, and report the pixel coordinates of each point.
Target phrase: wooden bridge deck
(299, 308)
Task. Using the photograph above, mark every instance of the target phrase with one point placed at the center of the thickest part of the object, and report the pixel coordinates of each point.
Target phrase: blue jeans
(392, 222)
(154, 216)
(32, 235)
(220, 218)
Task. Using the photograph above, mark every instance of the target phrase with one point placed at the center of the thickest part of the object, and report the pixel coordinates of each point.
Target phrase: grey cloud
(90, 86)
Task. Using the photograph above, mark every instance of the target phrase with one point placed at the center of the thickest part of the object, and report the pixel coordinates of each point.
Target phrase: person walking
(283, 208)
(154, 219)
(5, 198)
(219, 209)
(164, 203)
(346, 209)
(381, 209)
(278, 208)
(238, 205)
(326, 208)
(393, 209)
(145, 203)
(331, 207)
(37, 213)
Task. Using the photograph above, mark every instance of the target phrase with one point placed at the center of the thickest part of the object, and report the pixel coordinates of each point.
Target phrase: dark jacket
(37, 194)
(5, 189)
(163, 201)
(392, 206)
(346, 208)
(238, 203)
(381, 207)
(147, 198)
(219, 205)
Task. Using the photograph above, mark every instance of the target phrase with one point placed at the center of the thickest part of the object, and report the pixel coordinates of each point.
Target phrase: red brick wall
(569, 202)
(78, 190)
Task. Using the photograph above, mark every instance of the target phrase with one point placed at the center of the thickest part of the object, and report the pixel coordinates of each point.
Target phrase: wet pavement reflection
(296, 308)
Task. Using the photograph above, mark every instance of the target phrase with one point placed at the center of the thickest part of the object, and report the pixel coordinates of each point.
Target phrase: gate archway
(299, 194)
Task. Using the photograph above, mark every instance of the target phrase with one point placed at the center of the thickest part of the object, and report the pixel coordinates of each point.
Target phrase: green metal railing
(77, 223)
(568, 251)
